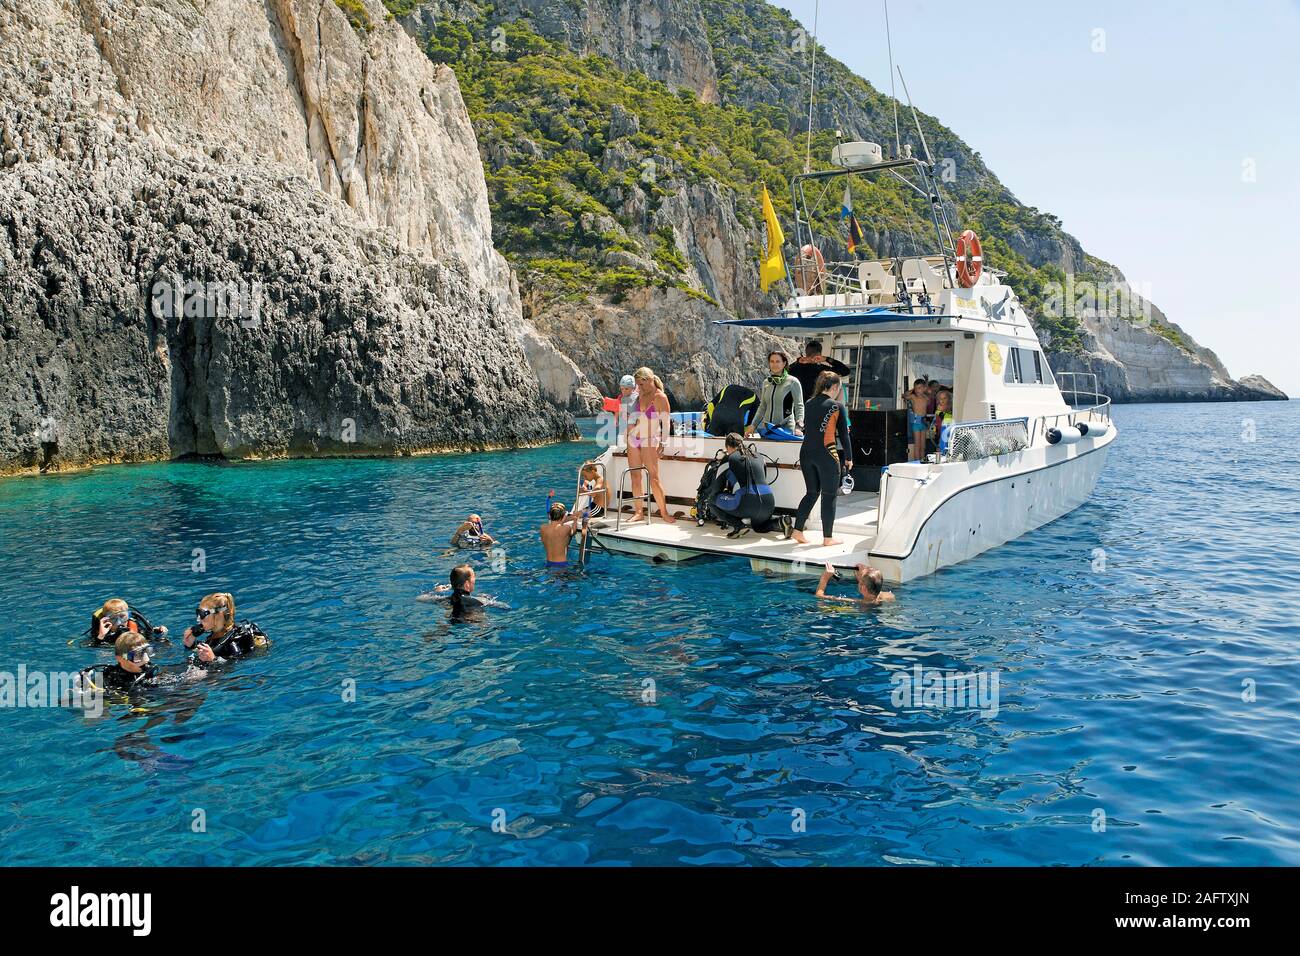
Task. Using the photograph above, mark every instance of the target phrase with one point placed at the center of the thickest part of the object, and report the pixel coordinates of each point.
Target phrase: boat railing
(618, 512)
(604, 481)
(971, 441)
(1094, 407)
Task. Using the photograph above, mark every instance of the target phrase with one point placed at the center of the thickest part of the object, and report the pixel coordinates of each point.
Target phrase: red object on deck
(611, 404)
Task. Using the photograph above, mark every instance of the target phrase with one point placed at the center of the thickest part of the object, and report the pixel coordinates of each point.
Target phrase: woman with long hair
(827, 422)
(647, 431)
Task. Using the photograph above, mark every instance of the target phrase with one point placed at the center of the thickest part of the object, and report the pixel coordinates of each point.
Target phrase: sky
(1165, 135)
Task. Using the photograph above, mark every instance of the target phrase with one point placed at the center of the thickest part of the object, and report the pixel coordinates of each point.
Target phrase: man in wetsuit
(811, 364)
(740, 491)
(459, 594)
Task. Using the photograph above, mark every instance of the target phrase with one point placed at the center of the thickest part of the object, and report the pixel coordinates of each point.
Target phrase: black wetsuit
(807, 372)
(142, 626)
(826, 423)
(240, 641)
(741, 491)
(115, 677)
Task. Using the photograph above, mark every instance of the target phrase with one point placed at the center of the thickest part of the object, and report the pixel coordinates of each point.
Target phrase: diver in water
(460, 596)
(870, 586)
(470, 534)
(115, 618)
(215, 636)
(740, 491)
(133, 669)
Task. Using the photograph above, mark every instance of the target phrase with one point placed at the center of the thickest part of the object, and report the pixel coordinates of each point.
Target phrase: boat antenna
(889, 41)
(933, 183)
(915, 118)
(812, 87)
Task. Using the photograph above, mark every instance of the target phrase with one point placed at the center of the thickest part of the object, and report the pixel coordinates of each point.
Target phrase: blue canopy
(834, 319)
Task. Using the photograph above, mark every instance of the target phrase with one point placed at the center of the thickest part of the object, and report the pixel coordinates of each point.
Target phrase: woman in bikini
(647, 430)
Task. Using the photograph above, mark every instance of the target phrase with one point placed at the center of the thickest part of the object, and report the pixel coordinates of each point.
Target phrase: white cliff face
(147, 141)
(367, 118)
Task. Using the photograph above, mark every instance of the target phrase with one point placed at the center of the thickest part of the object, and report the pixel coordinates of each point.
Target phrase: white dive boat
(1025, 446)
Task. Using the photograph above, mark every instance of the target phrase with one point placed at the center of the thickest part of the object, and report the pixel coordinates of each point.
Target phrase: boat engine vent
(993, 411)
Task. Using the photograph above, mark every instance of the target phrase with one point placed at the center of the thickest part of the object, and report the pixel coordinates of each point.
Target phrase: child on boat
(917, 401)
(593, 496)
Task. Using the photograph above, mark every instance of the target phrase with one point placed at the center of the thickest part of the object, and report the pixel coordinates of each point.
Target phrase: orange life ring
(810, 270)
(970, 259)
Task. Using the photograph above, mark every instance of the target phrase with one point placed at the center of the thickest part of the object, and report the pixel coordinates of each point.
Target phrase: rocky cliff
(691, 226)
(247, 228)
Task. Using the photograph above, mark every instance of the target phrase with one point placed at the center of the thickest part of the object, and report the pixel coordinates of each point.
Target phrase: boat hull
(998, 501)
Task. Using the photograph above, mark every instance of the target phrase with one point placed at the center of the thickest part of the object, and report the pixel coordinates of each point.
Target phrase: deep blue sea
(1147, 651)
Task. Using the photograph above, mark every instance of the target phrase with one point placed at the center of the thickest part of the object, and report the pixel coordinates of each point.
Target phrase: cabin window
(873, 375)
(1026, 367)
(1011, 368)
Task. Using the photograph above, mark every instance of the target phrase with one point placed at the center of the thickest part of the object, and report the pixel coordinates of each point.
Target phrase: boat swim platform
(855, 527)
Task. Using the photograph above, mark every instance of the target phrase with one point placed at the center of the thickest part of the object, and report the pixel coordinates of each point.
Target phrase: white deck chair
(877, 282)
(920, 276)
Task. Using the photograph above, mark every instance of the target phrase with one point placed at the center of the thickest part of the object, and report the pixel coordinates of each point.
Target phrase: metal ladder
(589, 540)
(618, 515)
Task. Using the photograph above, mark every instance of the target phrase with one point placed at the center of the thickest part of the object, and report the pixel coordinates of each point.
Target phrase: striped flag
(846, 212)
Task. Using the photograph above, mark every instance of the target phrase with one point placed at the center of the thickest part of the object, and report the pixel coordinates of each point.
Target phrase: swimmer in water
(870, 586)
(115, 618)
(134, 667)
(214, 635)
(470, 534)
(459, 594)
(558, 532)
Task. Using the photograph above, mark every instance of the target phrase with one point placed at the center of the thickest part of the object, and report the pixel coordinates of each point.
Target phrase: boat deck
(855, 526)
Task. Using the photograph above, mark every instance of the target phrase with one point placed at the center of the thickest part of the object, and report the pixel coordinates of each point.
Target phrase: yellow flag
(772, 267)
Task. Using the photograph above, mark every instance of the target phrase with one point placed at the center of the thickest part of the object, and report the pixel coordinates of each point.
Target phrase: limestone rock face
(244, 228)
(669, 330)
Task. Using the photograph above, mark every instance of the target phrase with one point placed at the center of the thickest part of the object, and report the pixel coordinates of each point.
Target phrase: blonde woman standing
(647, 430)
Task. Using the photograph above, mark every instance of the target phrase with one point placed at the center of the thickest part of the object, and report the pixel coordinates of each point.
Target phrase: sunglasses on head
(202, 612)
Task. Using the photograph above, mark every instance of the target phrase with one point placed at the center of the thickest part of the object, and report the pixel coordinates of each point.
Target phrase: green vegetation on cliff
(579, 156)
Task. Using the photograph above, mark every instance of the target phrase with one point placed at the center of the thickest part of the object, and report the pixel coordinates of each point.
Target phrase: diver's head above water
(133, 652)
(111, 620)
(462, 579)
(557, 512)
(215, 614)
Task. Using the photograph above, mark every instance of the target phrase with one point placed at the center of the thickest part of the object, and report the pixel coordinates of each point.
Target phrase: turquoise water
(1120, 686)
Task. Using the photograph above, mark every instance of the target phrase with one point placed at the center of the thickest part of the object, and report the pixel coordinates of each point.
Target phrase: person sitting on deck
(741, 493)
(942, 415)
(592, 498)
(870, 585)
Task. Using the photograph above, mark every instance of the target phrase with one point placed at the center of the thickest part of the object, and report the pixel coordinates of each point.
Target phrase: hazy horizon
(1100, 116)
